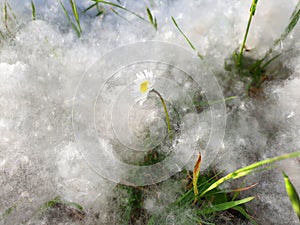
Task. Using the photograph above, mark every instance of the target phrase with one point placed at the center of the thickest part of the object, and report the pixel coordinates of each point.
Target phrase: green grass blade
(269, 61)
(7, 17)
(248, 169)
(75, 13)
(151, 18)
(252, 12)
(5, 13)
(120, 7)
(183, 34)
(118, 14)
(186, 38)
(295, 10)
(225, 206)
(292, 193)
(33, 10)
(12, 12)
(293, 21)
(69, 19)
(245, 214)
(90, 7)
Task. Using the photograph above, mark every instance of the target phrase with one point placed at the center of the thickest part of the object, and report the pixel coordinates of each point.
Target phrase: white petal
(140, 75)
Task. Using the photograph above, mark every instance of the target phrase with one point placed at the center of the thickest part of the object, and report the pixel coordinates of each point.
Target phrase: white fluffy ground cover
(43, 61)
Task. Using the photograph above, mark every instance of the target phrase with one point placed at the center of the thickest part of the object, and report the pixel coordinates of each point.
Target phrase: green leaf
(292, 193)
(225, 206)
(247, 170)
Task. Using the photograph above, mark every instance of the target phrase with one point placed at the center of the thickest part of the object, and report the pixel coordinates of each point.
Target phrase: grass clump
(255, 69)
(201, 201)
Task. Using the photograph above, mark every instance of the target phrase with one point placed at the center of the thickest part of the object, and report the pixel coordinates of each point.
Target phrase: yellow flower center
(144, 86)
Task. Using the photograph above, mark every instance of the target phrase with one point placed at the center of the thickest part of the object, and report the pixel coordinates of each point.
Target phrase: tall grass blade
(252, 12)
(225, 206)
(152, 19)
(183, 34)
(247, 170)
(7, 18)
(90, 7)
(118, 14)
(292, 193)
(293, 21)
(33, 14)
(120, 7)
(186, 38)
(69, 19)
(75, 13)
(12, 13)
(5, 14)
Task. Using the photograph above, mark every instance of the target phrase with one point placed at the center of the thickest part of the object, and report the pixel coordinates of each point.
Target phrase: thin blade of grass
(252, 13)
(269, 61)
(151, 18)
(248, 169)
(230, 191)
(90, 7)
(5, 13)
(7, 18)
(293, 195)
(183, 34)
(12, 12)
(120, 7)
(69, 19)
(293, 21)
(225, 206)
(75, 13)
(99, 13)
(187, 194)
(186, 38)
(118, 14)
(196, 173)
(245, 214)
(33, 10)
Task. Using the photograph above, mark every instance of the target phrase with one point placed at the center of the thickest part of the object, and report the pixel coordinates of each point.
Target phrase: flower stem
(166, 112)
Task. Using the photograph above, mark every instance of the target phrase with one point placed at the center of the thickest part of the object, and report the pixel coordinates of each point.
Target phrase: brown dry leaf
(196, 176)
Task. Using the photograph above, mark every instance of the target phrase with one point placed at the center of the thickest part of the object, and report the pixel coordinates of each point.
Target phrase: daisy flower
(143, 85)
